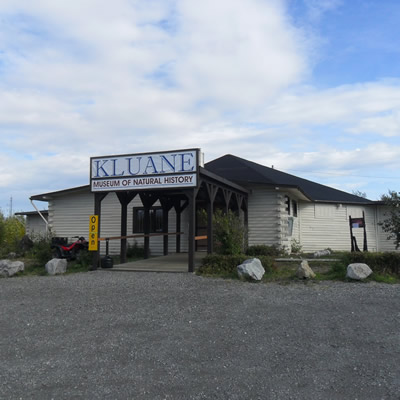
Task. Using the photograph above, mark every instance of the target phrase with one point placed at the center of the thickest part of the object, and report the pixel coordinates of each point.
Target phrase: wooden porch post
(148, 199)
(124, 198)
(166, 204)
(227, 196)
(165, 230)
(210, 230)
(178, 229)
(192, 218)
(212, 192)
(178, 210)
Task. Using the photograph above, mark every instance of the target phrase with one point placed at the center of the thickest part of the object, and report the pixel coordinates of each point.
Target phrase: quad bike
(69, 251)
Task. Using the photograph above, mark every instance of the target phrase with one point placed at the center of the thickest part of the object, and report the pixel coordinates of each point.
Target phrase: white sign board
(145, 171)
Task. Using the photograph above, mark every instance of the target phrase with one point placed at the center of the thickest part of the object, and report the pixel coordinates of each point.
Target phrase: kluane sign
(171, 169)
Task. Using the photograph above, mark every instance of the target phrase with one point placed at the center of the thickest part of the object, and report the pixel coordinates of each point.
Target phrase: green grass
(34, 268)
(284, 272)
(384, 278)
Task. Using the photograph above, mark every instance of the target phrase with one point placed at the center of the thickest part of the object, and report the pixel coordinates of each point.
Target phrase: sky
(311, 87)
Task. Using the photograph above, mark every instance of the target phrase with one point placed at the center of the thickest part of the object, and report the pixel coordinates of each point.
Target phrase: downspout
(299, 222)
(41, 215)
(376, 228)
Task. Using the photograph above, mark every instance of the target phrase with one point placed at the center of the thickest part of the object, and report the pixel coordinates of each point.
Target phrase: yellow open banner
(93, 233)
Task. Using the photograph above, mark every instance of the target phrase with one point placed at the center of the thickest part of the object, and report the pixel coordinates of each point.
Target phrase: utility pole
(11, 207)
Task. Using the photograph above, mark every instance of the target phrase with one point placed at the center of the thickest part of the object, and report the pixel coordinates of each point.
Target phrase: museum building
(153, 199)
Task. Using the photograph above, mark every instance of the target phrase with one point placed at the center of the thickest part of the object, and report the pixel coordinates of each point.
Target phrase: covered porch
(211, 192)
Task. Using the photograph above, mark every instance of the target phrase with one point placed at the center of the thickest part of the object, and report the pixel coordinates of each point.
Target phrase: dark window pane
(138, 220)
(294, 208)
(156, 220)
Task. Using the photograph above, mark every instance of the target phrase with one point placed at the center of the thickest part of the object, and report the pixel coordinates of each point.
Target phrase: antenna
(11, 207)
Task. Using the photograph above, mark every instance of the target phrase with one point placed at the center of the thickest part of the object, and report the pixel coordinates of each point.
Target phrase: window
(290, 226)
(287, 203)
(294, 207)
(156, 220)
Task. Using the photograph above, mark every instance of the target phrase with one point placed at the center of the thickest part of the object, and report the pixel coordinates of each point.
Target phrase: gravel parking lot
(126, 335)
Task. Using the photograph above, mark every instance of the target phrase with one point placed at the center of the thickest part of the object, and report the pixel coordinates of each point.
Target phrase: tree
(359, 193)
(2, 229)
(229, 233)
(391, 225)
(11, 231)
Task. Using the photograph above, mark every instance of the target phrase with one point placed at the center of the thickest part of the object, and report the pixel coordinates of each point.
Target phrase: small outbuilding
(36, 222)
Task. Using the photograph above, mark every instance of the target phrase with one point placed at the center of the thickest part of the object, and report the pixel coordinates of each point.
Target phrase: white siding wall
(317, 226)
(35, 226)
(69, 216)
(264, 222)
(327, 225)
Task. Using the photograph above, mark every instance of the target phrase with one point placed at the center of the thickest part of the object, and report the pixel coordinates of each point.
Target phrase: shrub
(229, 233)
(264, 250)
(41, 251)
(295, 247)
(135, 251)
(84, 258)
(381, 263)
(337, 271)
(225, 265)
(12, 229)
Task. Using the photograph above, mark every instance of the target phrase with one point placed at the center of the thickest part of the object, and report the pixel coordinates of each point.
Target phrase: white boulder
(304, 271)
(56, 266)
(10, 268)
(358, 271)
(251, 268)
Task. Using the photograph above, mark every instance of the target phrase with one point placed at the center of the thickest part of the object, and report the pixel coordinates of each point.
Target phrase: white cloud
(316, 8)
(237, 53)
(348, 105)
(96, 77)
(328, 158)
(386, 125)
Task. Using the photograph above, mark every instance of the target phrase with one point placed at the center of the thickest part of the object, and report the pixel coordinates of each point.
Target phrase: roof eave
(50, 195)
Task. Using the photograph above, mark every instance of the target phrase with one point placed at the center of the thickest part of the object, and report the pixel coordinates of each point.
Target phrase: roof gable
(247, 172)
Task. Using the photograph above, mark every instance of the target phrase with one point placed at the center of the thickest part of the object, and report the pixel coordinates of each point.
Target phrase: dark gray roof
(44, 212)
(246, 172)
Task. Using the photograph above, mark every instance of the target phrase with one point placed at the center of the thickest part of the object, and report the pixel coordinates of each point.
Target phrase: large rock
(251, 268)
(358, 271)
(10, 268)
(304, 271)
(321, 253)
(56, 266)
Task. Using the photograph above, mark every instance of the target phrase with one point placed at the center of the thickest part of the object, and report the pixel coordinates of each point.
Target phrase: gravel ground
(121, 335)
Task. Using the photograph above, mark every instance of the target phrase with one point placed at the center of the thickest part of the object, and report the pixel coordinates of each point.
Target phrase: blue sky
(309, 86)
